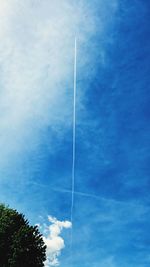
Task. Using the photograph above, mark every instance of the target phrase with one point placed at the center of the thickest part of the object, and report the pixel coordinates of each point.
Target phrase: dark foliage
(21, 245)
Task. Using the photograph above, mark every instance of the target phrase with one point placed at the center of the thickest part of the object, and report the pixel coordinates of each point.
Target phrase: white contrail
(74, 135)
(79, 193)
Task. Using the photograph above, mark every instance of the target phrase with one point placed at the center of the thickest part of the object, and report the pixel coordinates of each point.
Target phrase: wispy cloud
(53, 240)
(36, 57)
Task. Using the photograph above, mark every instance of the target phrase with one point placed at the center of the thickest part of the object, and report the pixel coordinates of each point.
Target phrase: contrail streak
(78, 193)
(99, 198)
(74, 135)
(87, 195)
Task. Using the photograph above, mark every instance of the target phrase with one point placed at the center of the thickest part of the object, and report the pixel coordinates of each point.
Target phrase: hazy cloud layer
(36, 63)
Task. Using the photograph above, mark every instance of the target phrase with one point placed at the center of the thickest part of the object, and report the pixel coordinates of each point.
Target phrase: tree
(21, 245)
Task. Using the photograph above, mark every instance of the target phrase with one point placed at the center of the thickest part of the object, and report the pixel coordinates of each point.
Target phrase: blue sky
(111, 209)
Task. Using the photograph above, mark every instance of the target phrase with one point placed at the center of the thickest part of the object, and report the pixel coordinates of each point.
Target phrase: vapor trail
(74, 135)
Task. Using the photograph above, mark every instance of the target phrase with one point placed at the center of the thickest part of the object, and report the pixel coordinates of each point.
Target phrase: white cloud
(36, 67)
(53, 240)
(36, 73)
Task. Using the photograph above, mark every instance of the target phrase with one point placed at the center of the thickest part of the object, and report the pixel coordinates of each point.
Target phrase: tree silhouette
(21, 245)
